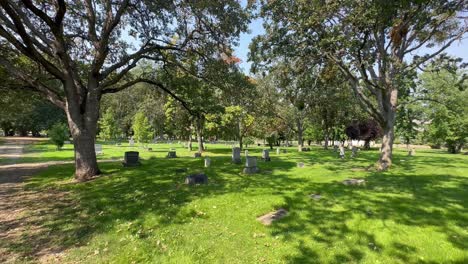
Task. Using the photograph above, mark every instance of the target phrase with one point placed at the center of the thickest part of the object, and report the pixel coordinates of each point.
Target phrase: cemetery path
(19, 220)
(24, 211)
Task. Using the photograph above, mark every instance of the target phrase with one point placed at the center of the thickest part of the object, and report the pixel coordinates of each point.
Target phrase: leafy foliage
(109, 129)
(58, 134)
(142, 128)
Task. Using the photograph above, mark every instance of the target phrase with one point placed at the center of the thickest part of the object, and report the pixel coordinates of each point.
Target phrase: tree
(367, 130)
(370, 41)
(108, 127)
(142, 128)
(448, 108)
(81, 45)
(237, 120)
(58, 133)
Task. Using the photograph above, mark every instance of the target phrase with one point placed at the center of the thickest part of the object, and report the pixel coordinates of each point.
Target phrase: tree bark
(190, 142)
(386, 150)
(326, 139)
(82, 115)
(300, 132)
(85, 156)
(199, 128)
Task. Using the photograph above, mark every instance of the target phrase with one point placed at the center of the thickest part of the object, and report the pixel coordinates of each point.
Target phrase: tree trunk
(367, 144)
(85, 156)
(201, 148)
(389, 104)
(325, 145)
(199, 128)
(240, 141)
(82, 121)
(300, 141)
(190, 143)
(386, 150)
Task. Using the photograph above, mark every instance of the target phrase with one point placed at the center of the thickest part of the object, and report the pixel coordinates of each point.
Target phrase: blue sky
(458, 49)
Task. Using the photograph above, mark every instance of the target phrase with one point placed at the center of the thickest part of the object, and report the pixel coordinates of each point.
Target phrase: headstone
(354, 182)
(278, 151)
(236, 158)
(246, 153)
(98, 149)
(66, 142)
(284, 151)
(196, 179)
(207, 162)
(131, 158)
(272, 216)
(251, 165)
(305, 149)
(354, 152)
(266, 155)
(335, 148)
(315, 196)
(197, 155)
(171, 154)
(412, 152)
(131, 142)
(300, 164)
(342, 152)
(150, 149)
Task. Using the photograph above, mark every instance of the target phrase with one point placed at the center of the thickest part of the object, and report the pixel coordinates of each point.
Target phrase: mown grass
(415, 213)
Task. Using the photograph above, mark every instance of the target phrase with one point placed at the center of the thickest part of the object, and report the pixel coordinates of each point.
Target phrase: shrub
(58, 133)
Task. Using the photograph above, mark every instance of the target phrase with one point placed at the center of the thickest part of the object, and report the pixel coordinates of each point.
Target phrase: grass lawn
(415, 213)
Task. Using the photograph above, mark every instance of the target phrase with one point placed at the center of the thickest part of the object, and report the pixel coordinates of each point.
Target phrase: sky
(457, 49)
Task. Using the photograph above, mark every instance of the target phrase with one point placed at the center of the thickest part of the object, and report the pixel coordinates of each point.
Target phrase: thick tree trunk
(85, 156)
(82, 121)
(386, 150)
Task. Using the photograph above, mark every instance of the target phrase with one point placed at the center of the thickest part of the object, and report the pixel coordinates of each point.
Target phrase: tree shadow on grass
(418, 201)
(126, 195)
(156, 187)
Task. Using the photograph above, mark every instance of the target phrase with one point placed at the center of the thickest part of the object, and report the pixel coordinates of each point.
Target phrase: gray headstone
(412, 152)
(207, 162)
(196, 179)
(98, 149)
(278, 151)
(300, 164)
(131, 158)
(354, 151)
(236, 157)
(272, 216)
(315, 196)
(171, 154)
(266, 155)
(251, 165)
(197, 155)
(354, 182)
(131, 142)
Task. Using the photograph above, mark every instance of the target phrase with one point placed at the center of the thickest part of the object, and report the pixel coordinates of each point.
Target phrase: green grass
(415, 213)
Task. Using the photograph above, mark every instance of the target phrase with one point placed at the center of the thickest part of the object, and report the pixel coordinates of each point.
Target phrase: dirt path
(21, 212)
